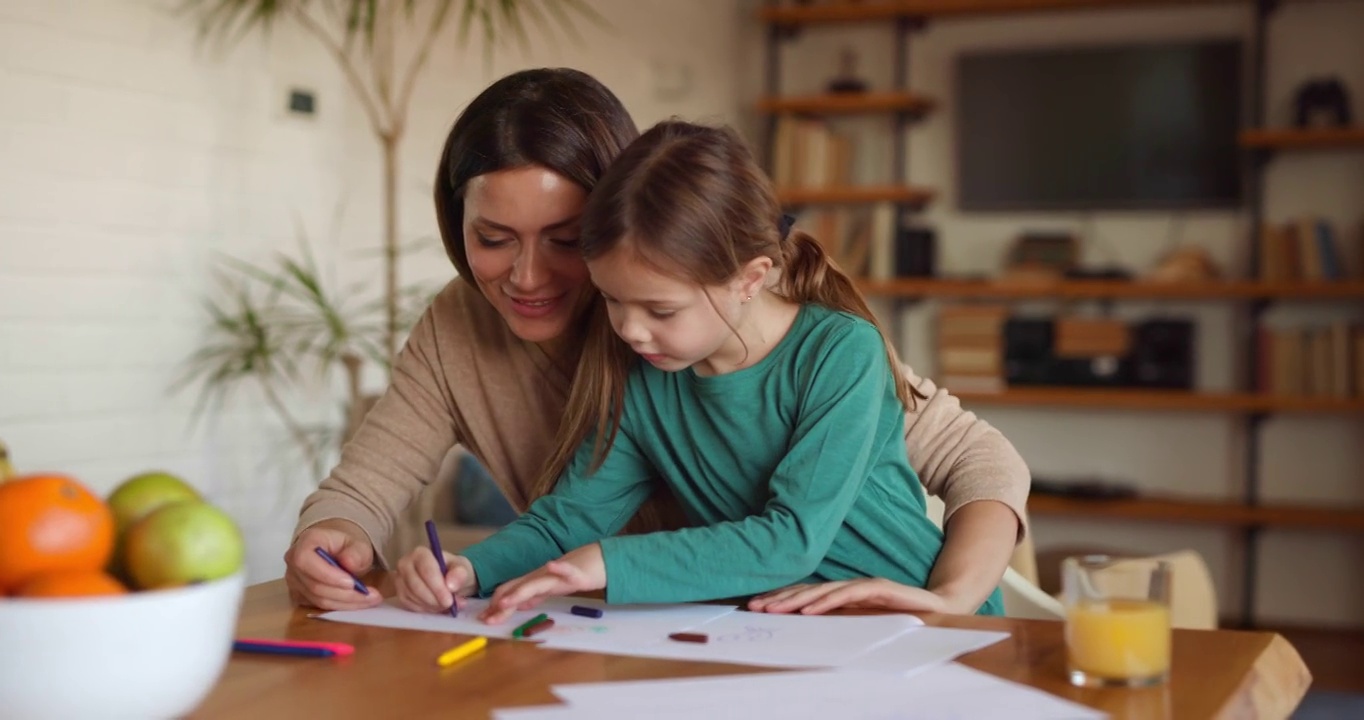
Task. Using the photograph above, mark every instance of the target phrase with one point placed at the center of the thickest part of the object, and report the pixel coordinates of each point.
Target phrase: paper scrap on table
(624, 623)
(945, 692)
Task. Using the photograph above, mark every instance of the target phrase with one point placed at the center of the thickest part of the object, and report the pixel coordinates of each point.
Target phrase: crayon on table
(359, 586)
(434, 539)
(459, 652)
(523, 627)
(297, 648)
(585, 611)
(689, 637)
(538, 628)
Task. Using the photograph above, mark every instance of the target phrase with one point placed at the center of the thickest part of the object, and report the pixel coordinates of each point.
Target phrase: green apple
(181, 543)
(139, 495)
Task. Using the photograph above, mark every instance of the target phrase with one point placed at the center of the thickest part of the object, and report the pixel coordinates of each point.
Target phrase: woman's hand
(421, 587)
(862, 593)
(578, 571)
(313, 581)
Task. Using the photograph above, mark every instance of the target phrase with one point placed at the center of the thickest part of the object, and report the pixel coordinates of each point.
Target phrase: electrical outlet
(302, 102)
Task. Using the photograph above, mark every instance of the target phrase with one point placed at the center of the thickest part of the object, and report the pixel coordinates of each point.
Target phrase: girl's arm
(581, 509)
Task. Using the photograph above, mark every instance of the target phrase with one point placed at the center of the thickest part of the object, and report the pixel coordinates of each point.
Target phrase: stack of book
(1313, 361)
(971, 348)
(1302, 250)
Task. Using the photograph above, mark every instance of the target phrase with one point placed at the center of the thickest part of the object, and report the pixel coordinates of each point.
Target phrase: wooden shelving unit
(1209, 512)
(881, 10)
(1161, 400)
(1248, 513)
(1295, 139)
(847, 103)
(905, 195)
(1111, 290)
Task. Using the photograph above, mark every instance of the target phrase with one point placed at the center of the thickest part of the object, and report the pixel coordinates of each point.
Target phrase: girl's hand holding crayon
(421, 587)
(862, 593)
(579, 571)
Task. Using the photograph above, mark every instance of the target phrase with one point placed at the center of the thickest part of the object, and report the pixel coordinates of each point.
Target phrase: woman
(491, 363)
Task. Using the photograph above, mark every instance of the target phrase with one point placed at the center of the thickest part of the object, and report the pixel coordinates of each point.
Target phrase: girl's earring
(750, 297)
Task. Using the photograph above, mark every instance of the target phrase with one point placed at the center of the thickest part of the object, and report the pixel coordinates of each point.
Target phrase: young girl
(752, 381)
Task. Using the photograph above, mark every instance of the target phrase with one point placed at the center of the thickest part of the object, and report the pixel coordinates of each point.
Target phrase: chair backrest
(1022, 599)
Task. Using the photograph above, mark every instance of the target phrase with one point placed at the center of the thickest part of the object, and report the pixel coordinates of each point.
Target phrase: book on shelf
(859, 238)
(808, 153)
(1320, 361)
(1306, 249)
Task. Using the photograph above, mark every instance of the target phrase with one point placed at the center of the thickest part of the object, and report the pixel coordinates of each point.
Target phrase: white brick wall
(128, 157)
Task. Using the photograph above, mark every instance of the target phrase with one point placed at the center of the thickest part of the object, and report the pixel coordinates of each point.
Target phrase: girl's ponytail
(809, 275)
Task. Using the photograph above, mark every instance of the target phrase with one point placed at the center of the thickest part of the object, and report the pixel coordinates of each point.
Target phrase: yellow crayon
(455, 654)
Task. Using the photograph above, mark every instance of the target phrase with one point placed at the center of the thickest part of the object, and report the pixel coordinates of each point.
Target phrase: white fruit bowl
(142, 655)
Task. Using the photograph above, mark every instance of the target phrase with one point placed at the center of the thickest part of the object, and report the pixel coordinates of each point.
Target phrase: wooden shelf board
(1113, 289)
(1296, 139)
(847, 103)
(1178, 400)
(855, 194)
(1188, 510)
(890, 9)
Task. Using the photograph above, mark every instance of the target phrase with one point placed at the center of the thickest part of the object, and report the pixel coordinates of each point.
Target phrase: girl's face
(521, 237)
(672, 323)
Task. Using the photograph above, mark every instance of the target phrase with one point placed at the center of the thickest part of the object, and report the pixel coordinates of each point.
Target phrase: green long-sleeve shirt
(792, 470)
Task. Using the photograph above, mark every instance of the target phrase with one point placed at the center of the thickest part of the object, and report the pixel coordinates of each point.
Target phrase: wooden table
(1231, 674)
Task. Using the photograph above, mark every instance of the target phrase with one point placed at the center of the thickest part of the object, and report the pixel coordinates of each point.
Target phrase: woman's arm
(396, 451)
(983, 482)
(961, 458)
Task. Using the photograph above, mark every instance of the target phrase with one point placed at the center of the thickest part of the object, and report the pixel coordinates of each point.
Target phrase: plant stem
(390, 141)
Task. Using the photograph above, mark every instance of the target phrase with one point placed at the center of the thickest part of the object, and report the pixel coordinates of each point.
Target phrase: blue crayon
(585, 611)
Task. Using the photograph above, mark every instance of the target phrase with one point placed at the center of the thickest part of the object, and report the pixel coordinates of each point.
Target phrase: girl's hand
(578, 571)
(863, 593)
(421, 587)
(312, 581)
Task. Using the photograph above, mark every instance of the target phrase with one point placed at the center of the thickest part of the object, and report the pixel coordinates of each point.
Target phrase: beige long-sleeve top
(463, 377)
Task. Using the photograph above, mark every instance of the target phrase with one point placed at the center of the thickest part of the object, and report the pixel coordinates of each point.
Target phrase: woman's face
(521, 230)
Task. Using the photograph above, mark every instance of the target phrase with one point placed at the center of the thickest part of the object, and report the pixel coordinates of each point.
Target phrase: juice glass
(1117, 621)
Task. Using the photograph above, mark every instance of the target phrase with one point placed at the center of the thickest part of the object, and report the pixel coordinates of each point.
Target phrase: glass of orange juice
(1117, 621)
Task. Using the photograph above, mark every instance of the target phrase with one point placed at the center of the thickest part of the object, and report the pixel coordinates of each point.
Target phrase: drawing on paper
(750, 633)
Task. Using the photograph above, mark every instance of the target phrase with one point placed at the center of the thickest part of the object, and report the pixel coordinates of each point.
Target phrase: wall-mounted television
(1149, 126)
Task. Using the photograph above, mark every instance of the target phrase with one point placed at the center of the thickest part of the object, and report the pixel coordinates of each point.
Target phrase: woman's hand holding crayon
(579, 571)
(862, 593)
(312, 580)
(421, 587)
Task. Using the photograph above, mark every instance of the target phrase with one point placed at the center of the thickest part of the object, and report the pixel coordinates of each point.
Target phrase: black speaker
(1163, 354)
(915, 252)
(1028, 351)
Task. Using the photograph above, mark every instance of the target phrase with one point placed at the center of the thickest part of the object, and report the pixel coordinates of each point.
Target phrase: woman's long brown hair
(690, 200)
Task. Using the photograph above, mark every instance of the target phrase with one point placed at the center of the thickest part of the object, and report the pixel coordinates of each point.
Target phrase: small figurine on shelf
(1322, 102)
(847, 80)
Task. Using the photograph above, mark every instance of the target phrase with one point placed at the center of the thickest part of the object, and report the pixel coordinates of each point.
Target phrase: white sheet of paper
(923, 648)
(749, 638)
(619, 623)
(945, 692)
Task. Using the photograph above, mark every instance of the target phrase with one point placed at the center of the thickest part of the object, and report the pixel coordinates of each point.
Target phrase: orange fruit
(51, 523)
(68, 584)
